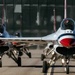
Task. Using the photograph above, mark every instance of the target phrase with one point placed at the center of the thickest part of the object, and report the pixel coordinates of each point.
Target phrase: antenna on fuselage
(65, 9)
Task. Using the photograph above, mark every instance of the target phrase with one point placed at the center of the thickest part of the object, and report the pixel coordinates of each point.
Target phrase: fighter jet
(13, 49)
(63, 41)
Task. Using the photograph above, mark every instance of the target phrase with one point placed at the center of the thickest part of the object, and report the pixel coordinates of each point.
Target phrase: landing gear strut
(67, 69)
(26, 51)
(42, 56)
(19, 59)
(29, 55)
(67, 64)
(45, 66)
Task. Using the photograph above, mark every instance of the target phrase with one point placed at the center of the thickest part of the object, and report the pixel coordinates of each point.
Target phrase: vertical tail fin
(65, 9)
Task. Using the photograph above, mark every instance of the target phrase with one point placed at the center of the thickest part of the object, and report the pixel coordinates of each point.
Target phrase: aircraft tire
(45, 67)
(29, 55)
(67, 69)
(42, 57)
(19, 61)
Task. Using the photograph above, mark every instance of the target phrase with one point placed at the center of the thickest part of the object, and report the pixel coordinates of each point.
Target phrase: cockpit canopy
(68, 24)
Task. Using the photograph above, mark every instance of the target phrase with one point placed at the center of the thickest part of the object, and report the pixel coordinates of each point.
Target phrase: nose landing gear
(65, 62)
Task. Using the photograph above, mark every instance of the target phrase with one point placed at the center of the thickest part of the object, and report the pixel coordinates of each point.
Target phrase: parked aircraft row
(60, 44)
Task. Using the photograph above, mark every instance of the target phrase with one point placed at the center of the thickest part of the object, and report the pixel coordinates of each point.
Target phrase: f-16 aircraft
(12, 48)
(63, 41)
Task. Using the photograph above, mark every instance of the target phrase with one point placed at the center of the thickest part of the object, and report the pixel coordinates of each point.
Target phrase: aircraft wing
(32, 40)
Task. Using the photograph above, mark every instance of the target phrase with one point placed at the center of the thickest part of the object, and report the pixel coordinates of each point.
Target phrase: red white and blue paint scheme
(64, 37)
(63, 40)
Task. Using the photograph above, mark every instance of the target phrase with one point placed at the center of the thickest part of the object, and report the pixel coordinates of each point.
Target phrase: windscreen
(67, 24)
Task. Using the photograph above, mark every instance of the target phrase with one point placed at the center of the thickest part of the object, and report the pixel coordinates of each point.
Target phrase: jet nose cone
(67, 42)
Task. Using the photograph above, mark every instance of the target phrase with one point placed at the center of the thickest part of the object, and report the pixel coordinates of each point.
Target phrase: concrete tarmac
(33, 66)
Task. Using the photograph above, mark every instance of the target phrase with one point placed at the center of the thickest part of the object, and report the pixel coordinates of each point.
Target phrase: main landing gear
(48, 50)
(45, 66)
(19, 58)
(3, 49)
(46, 53)
(67, 65)
(52, 60)
(20, 50)
(43, 57)
(67, 69)
(26, 51)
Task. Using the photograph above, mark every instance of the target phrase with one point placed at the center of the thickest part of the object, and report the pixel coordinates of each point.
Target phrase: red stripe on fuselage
(67, 42)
